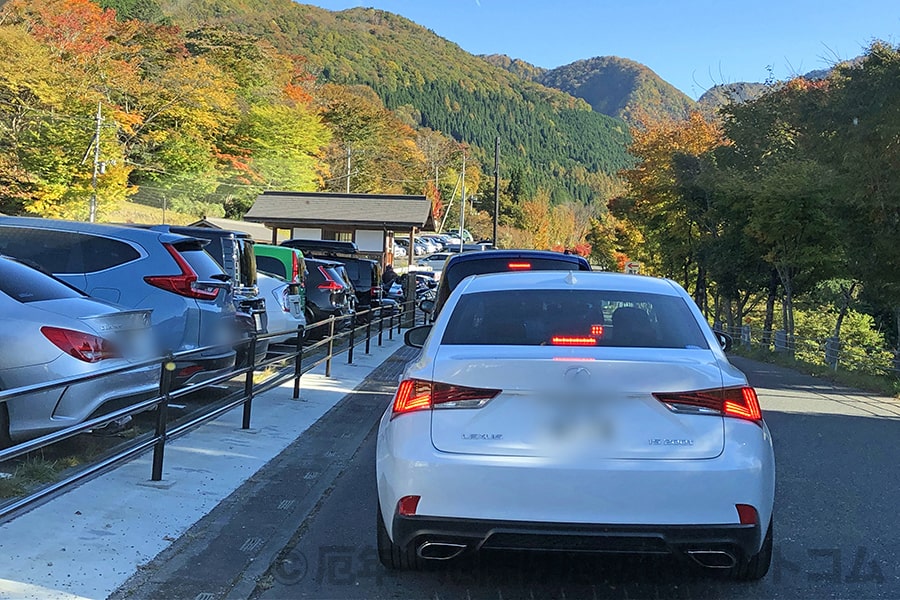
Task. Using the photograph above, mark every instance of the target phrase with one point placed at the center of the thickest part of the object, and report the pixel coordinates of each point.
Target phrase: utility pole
(96, 142)
(462, 204)
(496, 187)
(348, 169)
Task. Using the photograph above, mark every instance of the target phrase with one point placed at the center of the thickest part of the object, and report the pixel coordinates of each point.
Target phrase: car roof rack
(322, 247)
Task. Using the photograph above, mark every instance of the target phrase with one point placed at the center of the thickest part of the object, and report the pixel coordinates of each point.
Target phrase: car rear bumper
(673, 494)
(741, 541)
(192, 370)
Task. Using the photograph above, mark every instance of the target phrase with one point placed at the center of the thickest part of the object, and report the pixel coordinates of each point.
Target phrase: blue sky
(692, 44)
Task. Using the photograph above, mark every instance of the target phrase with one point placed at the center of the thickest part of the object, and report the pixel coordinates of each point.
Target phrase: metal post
(92, 213)
(391, 327)
(369, 326)
(330, 346)
(352, 342)
(496, 188)
(162, 416)
(298, 362)
(381, 326)
(248, 384)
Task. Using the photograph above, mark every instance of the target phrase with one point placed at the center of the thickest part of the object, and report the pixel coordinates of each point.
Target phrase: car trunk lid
(554, 401)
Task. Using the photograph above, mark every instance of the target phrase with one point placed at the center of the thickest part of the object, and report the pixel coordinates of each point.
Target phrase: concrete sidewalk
(89, 541)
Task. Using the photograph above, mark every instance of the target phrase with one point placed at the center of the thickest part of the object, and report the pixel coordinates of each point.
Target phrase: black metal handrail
(352, 331)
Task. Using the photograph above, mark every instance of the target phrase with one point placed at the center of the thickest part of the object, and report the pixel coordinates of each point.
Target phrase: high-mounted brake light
(518, 266)
(416, 394)
(738, 402)
(183, 284)
(568, 340)
(83, 346)
(330, 283)
(597, 330)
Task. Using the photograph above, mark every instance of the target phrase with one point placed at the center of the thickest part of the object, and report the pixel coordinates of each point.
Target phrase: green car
(286, 263)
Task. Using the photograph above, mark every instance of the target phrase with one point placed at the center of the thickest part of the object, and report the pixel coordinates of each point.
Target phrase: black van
(364, 273)
(460, 266)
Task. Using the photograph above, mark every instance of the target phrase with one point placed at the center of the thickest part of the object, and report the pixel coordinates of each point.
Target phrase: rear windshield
(271, 266)
(25, 284)
(202, 263)
(573, 317)
(463, 269)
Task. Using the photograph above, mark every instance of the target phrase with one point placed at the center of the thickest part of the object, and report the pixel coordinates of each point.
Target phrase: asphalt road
(836, 534)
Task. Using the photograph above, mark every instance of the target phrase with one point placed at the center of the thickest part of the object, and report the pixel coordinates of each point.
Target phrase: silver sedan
(50, 331)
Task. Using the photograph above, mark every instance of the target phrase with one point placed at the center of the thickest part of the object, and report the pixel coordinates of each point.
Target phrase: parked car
(460, 266)
(51, 331)
(466, 236)
(363, 273)
(286, 263)
(233, 250)
(284, 308)
(420, 248)
(399, 251)
(326, 294)
(188, 292)
(602, 411)
(434, 261)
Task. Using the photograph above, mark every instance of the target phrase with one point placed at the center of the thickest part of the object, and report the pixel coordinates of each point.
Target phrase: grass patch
(883, 385)
(132, 212)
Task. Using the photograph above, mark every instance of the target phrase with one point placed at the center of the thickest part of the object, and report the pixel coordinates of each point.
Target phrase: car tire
(758, 565)
(393, 556)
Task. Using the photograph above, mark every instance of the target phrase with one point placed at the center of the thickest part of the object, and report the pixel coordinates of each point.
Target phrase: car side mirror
(725, 340)
(416, 336)
(427, 306)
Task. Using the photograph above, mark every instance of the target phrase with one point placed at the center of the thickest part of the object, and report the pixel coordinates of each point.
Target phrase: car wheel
(392, 556)
(758, 565)
(5, 439)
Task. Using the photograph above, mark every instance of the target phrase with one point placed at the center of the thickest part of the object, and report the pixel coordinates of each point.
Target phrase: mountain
(516, 66)
(719, 95)
(555, 139)
(613, 86)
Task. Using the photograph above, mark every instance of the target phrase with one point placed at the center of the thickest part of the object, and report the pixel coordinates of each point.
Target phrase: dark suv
(460, 266)
(364, 273)
(326, 293)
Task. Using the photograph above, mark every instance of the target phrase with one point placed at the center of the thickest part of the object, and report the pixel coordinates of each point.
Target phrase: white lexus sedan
(574, 411)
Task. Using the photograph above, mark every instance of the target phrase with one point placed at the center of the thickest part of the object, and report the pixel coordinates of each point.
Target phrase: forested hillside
(620, 88)
(556, 141)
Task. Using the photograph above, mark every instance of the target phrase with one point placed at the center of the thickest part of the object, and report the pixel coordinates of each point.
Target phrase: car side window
(57, 252)
(100, 253)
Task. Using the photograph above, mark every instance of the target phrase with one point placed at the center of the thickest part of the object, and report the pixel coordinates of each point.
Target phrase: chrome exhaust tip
(439, 550)
(713, 559)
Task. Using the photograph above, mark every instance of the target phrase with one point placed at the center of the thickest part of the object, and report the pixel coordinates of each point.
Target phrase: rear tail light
(285, 300)
(518, 266)
(415, 394)
(737, 402)
(295, 267)
(330, 284)
(83, 346)
(183, 284)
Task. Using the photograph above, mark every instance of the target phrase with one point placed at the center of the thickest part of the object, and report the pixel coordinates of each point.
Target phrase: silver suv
(189, 293)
